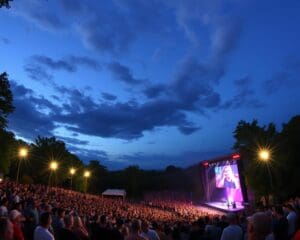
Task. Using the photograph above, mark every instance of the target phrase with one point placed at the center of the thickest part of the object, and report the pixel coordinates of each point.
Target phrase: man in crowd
(16, 218)
(6, 229)
(259, 226)
(280, 226)
(147, 232)
(66, 232)
(233, 231)
(292, 219)
(42, 231)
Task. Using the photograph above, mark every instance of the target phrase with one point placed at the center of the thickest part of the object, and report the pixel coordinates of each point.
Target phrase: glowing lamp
(264, 155)
(23, 152)
(72, 171)
(87, 174)
(53, 166)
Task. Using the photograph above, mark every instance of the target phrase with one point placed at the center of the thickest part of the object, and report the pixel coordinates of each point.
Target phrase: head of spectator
(145, 226)
(61, 213)
(278, 212)
(259, 226)
(232, 219)
(103, 221)
(6, 229)
(69, 221)
(135, 227)
(45, 220)
(15, 216)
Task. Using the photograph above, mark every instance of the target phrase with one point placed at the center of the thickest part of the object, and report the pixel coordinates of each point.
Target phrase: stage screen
(224, 182)
(227, 176)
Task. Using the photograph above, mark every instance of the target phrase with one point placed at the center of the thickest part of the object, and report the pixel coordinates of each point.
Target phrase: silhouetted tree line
(279, 176)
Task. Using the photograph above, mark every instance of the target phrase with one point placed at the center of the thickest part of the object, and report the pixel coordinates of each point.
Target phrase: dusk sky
(149, 82)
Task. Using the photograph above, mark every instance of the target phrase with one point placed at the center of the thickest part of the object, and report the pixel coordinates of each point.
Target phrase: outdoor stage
(222, 206)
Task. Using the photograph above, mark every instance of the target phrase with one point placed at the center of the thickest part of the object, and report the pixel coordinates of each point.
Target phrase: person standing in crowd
(259, 226)
(147, 232)
(135, 231)
(79, 229)
(16, 219)
(292, 219)
(42, 232)
(6, 229)
(116, 233)
(58, 222)
(3, 207)
(66, 232)
(233, 231)
(280, 226)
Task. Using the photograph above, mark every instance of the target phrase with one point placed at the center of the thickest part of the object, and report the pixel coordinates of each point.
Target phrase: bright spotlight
(23, 152)
(264, 155)
(53, 165)
(87, 174)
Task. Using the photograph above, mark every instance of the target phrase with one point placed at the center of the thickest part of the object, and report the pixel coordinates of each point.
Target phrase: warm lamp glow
(23, 152)
(72, 171)
(53, 166)
(87, 174)
(264, 155)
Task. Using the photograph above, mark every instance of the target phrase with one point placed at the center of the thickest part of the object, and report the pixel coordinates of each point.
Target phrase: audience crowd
(36, 212)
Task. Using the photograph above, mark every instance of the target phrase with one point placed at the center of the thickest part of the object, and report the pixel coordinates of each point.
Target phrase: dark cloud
(69, 64)
(109, 32)
(41, 13)
(193, 85)
(287, 76)
(154, 91)
(123, 73)
(28, 119)
(245, 96)
(72, 141)
(188, 130)
(108, 96)
(37, 73)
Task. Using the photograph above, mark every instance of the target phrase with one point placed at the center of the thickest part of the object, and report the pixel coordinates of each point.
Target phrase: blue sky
(149, 82)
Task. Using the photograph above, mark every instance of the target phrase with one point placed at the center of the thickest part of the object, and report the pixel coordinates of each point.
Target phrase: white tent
(114, 193)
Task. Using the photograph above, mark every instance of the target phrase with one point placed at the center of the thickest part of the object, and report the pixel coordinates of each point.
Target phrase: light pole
(86, 175)
(264, 155)
(23, 152)
(72, 172)
(53, 166)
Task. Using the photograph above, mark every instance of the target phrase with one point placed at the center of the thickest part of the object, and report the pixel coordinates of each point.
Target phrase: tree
(8, 150)
(5, 3)
(249, 138)
(6, 100)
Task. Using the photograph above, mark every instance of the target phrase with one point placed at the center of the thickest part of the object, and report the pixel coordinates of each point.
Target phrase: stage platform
(222, 206)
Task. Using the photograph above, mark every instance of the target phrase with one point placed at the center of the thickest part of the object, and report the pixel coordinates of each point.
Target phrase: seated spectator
(42, 231)
(6, 229)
